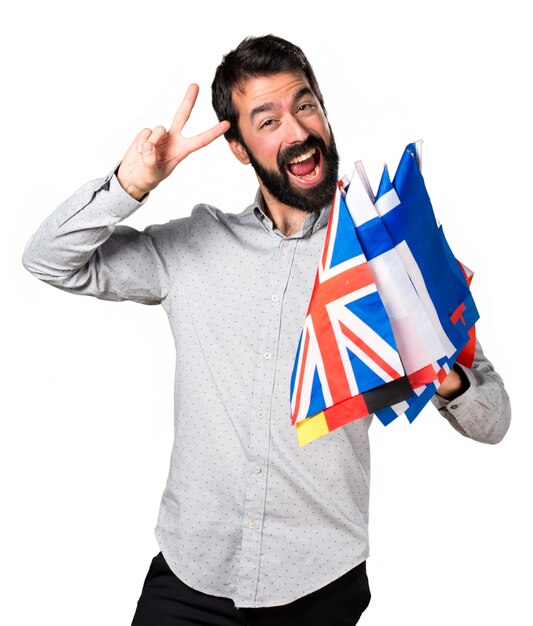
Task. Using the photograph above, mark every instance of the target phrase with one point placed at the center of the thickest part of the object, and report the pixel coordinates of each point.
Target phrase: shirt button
(251, 525)
(260, 414)
(274, 297)
(257, 469)
(285, 244)
(454, 406)
(267, 355)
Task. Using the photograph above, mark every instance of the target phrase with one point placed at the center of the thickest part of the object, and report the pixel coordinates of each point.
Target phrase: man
(252, 528)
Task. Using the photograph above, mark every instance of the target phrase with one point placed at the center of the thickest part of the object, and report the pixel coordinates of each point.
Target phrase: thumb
(149, 155)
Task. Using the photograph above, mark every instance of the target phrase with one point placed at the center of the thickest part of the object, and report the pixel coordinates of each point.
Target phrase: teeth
(303, 157)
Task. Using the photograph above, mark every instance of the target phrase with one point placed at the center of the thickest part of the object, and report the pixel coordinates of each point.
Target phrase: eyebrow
(270, 106)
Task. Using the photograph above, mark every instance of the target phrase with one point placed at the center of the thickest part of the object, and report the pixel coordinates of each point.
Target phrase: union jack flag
(347, 363)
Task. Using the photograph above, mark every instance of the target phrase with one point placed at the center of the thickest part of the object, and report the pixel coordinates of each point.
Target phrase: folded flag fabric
(391, 309)
(466, 356)
(405, 209)
(419, 342)
(347, 363)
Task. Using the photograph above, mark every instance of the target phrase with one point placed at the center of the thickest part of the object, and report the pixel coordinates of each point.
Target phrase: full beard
(280, 186)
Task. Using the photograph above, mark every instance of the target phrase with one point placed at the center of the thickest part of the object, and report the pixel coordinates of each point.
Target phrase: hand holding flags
(390, 311)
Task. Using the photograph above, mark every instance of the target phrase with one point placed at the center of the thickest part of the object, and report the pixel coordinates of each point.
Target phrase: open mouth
(306, 167)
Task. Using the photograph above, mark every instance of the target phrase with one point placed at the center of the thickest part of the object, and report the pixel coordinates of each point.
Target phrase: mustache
(313, 141)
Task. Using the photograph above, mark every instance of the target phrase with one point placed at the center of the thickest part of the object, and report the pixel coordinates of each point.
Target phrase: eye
(307, 106)
(266, 123)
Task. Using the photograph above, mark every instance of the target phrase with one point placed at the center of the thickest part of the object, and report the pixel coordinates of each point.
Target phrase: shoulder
(211, 215)
(205, 220)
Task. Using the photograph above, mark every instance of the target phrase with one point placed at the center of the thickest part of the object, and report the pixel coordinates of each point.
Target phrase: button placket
(258, 450)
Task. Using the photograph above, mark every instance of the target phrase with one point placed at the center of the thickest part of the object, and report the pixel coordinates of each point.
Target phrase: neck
(287, 219)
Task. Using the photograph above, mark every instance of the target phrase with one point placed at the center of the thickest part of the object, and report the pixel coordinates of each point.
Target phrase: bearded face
(285, 135)
(297, 166)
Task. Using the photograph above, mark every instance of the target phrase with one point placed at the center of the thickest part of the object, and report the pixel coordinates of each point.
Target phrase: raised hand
(154, 154)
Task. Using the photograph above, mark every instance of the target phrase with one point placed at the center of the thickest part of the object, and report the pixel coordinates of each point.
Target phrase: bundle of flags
(391, 309)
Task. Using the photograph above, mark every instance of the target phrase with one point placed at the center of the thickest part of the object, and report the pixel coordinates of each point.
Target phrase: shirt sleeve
(483, 411)
(80, 248)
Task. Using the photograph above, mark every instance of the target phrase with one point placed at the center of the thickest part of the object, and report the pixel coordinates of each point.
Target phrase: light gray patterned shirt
(246, 513)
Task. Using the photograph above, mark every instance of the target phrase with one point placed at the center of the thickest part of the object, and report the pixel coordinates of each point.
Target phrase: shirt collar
(313, 221)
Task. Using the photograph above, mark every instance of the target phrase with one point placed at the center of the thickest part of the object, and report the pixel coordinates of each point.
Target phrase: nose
(295, 132)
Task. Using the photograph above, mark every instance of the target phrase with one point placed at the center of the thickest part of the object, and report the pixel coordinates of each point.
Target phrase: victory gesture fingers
(154, 154)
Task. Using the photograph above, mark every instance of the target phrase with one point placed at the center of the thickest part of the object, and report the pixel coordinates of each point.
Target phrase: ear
(239, 151)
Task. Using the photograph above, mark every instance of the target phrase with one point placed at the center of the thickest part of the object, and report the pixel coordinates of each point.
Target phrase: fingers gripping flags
(390, 311)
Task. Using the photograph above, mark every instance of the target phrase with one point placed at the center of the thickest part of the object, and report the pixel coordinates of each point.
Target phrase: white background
(86, 402)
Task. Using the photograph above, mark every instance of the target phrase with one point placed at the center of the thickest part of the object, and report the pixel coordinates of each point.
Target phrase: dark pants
(166, 601)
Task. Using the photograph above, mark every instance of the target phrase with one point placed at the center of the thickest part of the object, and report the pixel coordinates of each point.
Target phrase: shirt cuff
(461, 404)
(123, 205)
